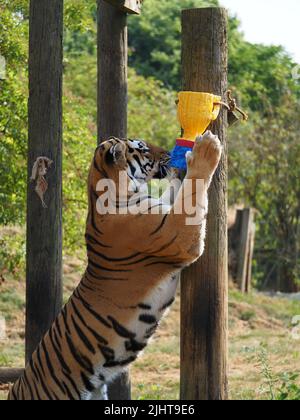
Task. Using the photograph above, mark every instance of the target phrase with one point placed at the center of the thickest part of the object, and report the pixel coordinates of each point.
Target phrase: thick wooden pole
(112, 105)
(204, 285)
(112, 71)
(9, 376)
(44, 225)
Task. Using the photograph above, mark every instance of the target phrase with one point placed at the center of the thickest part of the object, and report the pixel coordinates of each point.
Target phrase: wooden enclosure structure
(241, 242)
(204, 286)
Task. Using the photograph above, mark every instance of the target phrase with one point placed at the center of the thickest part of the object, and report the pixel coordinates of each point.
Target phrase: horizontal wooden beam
(10, 376)
(128, 6)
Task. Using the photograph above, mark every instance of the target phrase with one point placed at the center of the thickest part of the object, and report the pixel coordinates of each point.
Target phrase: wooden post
(9, 376)
(128, 6)
(245, 247)
(204, 295)
(251, 252)
(112, 105)
(44, 225)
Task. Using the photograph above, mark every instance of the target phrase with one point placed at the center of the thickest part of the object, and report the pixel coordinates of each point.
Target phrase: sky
(269, 22)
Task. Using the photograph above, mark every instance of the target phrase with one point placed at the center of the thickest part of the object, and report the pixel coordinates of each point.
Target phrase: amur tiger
(130, 280)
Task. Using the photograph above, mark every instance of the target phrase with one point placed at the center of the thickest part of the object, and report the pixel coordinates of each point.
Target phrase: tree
(155, 39)
(265, 174)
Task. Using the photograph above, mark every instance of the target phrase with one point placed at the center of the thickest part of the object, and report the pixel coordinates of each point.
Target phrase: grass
(256, 322)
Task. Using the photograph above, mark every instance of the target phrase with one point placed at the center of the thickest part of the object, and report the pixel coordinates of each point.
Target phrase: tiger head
(140, 160)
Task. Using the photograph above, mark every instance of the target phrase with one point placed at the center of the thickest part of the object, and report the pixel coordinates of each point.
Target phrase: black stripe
(161, 225)
(54, 338)
(88, 385)
(95, 164)
(137, 159)
(28, 385)
(130, 257)
(38, 353)
(83, 337)
(84, 286)
(97, 336)
(88, 308)
(50, 367)
(93, 195)
(83, 361)
(19, 385)
(147, 319)
(43, 385)
(90, 272)
(120, 362)
(58, 327)
(139, 261)
(132, 168)
(65, 315)
(23, 389)
(95, 265)
(134, 345)
(13, 392)
(151, 331)
(144, 306)
(166, 305)
(167, 245)
(90, 238)
(70, 396)
(120, 330)
(37, 392)
(73, 384)
(60, 357)
(172, 263)
(31, 364)
(108, 353)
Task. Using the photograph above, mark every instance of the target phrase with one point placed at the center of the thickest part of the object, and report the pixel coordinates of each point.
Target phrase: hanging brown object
(233, 110)
(39, 171)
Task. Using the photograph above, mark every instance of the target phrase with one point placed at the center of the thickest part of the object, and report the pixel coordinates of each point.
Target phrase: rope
(232, 105)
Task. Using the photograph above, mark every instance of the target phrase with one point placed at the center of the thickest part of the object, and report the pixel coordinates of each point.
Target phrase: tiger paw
(203, 161)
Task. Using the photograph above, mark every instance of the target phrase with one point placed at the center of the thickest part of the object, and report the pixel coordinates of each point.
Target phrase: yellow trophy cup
(196, 111)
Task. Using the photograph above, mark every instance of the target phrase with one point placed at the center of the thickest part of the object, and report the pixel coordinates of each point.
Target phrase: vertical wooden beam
(204, 299)
(245, 248)
(112, 105)
(44, 225)
(251, 252)
(112, 71)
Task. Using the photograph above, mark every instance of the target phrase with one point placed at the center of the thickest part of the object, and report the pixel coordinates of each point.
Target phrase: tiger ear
(118, 153)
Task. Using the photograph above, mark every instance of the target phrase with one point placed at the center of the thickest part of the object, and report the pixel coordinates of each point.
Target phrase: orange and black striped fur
(130, 280)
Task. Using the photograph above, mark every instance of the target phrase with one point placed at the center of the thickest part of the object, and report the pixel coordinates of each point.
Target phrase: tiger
(132, 273)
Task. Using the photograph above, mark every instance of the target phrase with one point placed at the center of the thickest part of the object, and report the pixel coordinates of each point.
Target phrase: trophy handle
(217, 107)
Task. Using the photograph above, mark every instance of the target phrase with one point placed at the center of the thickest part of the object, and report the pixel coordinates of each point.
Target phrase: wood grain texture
(244, 238)
(128, 6)
(204, 299)
(112, 106)
(44, 226)
(112, 71)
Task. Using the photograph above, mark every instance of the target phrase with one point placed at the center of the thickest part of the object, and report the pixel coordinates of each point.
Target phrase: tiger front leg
(203, 161)
(191, 207)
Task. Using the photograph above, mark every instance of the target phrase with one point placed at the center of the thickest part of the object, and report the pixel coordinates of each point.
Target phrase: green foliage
(260, 74)
(282, 387)
(13, 112)
(265, 174)
(155, 39)
(12, 250)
